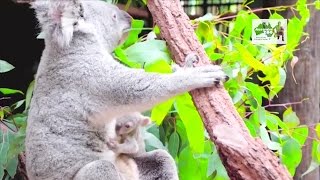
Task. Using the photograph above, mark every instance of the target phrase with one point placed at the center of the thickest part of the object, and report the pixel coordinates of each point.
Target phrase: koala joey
(79, 88)
(129, 138)
(128, 144)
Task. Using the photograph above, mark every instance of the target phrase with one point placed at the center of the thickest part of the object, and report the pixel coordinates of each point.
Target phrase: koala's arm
(136, 90)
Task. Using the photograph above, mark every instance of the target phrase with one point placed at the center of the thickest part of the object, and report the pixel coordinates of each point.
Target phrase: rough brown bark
(244, 157)
(307, 74)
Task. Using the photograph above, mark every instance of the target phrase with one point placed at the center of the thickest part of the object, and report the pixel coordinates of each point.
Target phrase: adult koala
(80, 88)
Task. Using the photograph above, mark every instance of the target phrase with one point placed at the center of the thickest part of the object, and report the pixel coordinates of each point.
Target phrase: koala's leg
(157, 164)
(100, 169)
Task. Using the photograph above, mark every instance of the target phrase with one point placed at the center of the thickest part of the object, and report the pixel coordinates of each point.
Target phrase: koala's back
(60, 139)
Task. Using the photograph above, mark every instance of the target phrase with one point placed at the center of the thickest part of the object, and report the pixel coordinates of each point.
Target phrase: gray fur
(80, 88)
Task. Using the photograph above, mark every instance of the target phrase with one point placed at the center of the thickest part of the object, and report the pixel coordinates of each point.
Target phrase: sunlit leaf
(133, 36)
(272, 121)
(248, 58)
(317, 4)
(291, 155)
(160, 111)
(188, 165)
(300, 134)
(7, 91)
(192, 121)
(275, 15)
(318, 130)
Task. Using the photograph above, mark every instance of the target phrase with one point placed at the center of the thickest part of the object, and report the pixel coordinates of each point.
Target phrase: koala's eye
(127, 126)
(114, 16)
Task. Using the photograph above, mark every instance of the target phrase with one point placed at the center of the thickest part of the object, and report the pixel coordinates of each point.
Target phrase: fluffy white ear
(145, 121)
(58, 18)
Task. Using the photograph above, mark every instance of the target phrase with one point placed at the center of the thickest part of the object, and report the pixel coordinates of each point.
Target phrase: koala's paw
(209, 75)
(112, 143)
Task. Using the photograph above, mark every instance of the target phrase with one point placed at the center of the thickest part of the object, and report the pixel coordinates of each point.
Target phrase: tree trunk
(243, 156)
(307, 74)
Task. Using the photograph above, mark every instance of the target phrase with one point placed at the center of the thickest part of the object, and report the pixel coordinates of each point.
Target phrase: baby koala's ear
(58, 18)
(145, 121)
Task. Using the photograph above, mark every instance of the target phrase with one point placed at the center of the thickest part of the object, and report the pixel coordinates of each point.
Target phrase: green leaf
(152, 142)
(291, 118)
(291, 155)
(160, 111)
(264, 135)
(216, 56)
(248, 58)
(173, 145)
(300, 134)
(272, 122)
(248, 28)
(276, 77)
(192, 121)
(148, 52)
(4, 147)
(303, 10)
(7, 91)
(215, 165)
(256, 91)
(18, 104)
(317, 4)
(29, 94)
(276, 16)
(316, 151)
(318, 130)
(295, 30)
(136, 28)
(5, 66)
(188, 165)
(1, 172)
(160, 66)
(240, 23)
(121, 55)
(12, 167)
(251, 128)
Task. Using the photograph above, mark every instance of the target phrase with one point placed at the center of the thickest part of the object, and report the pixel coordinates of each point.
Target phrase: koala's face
(110, 23)
(125, 127)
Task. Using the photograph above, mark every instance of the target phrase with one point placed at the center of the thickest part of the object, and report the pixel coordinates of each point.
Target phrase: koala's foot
(202, 76)
(157, 164)
(207, 76)
(100, 169)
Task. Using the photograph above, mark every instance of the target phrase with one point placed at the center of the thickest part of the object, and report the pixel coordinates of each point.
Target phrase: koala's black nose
(127, 17)
(227, 78)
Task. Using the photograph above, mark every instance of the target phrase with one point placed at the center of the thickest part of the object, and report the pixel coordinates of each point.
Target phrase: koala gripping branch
(243, 156)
